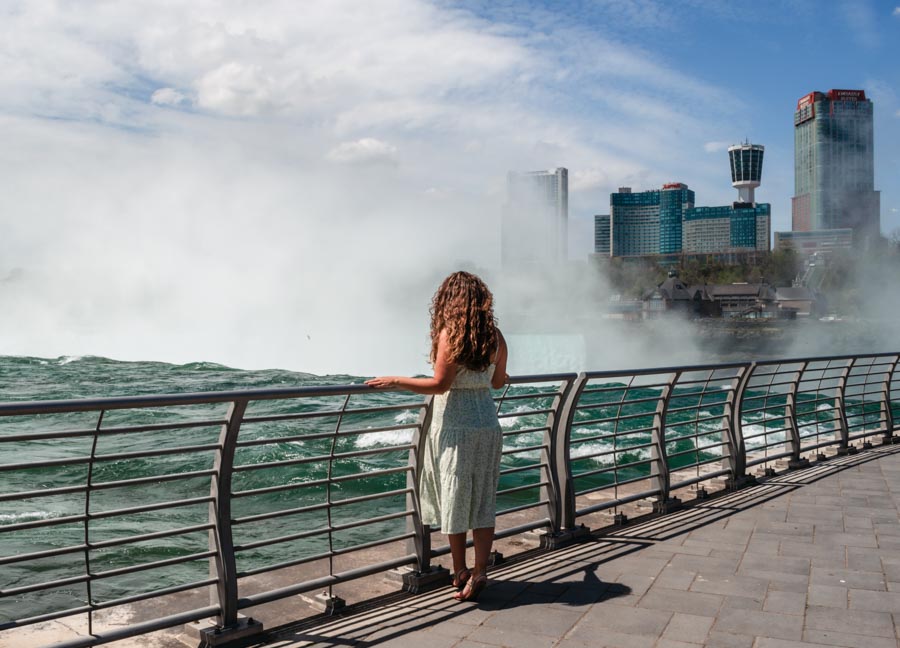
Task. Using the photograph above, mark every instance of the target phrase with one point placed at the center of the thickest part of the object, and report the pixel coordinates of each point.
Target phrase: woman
(461, 463)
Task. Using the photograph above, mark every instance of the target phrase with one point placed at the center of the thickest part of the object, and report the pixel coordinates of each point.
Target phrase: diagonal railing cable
(260, 481)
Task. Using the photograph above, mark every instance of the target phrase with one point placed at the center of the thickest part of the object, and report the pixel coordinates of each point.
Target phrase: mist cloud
(367, 150)
(274, 184)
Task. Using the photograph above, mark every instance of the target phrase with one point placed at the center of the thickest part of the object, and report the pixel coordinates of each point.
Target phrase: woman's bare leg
(457, 550)
(483, 538)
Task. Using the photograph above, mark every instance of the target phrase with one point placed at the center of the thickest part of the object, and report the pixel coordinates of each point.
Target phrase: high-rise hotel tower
(535, 230)
(834, 165)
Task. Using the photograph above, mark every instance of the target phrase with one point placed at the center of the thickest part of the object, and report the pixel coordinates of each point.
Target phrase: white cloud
(896, 11)
(367, 150)
(237, 89)
(716, 147)
(167, 97)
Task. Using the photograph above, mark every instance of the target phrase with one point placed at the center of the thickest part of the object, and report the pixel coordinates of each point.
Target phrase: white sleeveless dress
(461, 461)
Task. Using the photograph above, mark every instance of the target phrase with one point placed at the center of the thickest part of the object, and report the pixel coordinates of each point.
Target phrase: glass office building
(648, 222)
(729, 228)
(834, 164)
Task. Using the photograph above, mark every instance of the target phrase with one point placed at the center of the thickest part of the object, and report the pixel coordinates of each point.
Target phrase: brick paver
(806, 558)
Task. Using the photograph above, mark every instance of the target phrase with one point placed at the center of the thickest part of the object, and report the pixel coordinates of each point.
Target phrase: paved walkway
(806, 558)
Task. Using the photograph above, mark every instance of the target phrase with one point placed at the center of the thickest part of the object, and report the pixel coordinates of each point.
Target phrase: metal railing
(110, 502)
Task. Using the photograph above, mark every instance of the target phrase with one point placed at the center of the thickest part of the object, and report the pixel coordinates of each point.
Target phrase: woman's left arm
(500, 376)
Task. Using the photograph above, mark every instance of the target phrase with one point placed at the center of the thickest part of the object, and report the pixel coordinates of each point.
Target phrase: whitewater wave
(64, 360)
(386, 438)
(511, 421)
(407, 416)
(592, 447)
(27, 516)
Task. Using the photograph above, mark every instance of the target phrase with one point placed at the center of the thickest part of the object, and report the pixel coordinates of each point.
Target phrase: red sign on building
(806, 100)
(847, 95)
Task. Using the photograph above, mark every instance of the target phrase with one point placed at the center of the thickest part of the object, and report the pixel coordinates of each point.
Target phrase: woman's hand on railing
(383, 381)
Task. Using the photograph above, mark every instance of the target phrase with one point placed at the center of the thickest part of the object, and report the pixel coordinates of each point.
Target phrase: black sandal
(473, 588)
(461, 577)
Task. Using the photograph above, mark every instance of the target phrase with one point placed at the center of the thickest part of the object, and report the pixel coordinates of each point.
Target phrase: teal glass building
(648, 222)
(740, 227)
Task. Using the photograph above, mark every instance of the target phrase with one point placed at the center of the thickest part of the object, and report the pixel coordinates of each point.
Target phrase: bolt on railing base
(495, 559)
(800, 462)
(867, 445)
(667, 505)
(849, 450)
(325, 602)
(209, 634)
(620, 519)
(417, 582)
(562, 539)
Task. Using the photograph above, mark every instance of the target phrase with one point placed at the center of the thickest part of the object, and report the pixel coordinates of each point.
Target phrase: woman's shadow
(563, 588)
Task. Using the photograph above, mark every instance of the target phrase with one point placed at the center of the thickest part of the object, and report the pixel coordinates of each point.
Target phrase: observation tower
(746, 169)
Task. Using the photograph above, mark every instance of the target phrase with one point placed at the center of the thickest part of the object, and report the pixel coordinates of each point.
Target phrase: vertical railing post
(790, 406)
(562, 499)
(844, 446)
(887, 412)
(736, 461)
(221, 539)
(659, 464)
(421, 543)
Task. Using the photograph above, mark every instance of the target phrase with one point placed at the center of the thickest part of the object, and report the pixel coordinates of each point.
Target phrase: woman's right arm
(500, 376)
(444, 373)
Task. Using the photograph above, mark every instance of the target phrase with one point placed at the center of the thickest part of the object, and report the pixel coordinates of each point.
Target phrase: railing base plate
(325, 602)
(417, 582)
(801, 462)
(849, 450)
(666, 506)
(888, 439)
(209, 634)
(564, 538)
(738, 483)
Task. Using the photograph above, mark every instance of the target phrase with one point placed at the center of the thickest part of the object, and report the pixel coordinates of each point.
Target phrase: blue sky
(165, 158)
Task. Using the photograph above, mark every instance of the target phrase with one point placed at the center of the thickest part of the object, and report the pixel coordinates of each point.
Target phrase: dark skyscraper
(834, 165)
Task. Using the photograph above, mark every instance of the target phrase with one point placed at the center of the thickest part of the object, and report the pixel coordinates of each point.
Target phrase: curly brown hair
(464, 307)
